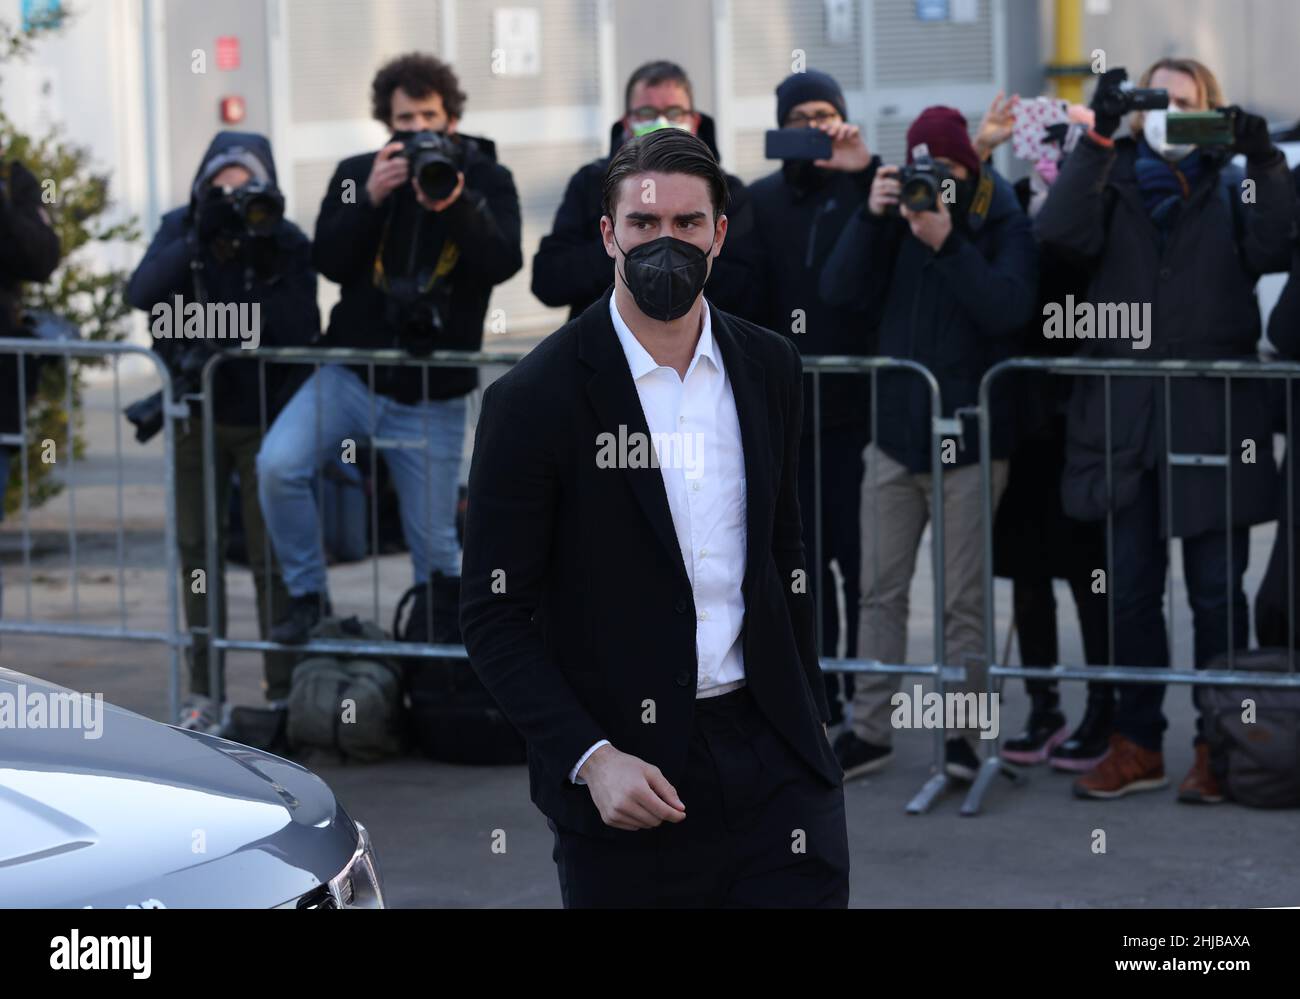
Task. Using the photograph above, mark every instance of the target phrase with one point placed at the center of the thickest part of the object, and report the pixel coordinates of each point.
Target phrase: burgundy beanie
(944, 131)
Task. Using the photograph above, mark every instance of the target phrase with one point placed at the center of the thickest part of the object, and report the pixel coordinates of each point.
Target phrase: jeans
(1141, 560)
(422, 447)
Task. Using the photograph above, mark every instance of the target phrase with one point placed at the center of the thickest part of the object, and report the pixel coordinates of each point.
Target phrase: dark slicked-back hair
(420, 75)
(668, 150)
(654, 73)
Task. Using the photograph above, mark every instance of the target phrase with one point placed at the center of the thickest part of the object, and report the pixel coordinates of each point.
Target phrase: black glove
(1106, 102)
(1250, 135)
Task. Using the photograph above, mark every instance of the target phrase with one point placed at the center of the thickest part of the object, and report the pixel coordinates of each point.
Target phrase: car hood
(131, 812)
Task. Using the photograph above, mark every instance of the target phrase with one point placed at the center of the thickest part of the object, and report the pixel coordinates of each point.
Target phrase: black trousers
(762, 829)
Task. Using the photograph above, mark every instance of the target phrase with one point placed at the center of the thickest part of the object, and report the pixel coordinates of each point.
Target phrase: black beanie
(810, 85)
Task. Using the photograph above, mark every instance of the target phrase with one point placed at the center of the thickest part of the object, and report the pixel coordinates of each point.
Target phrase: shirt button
(704, 553)
(681, 419)
(703, 615)
(695, 486)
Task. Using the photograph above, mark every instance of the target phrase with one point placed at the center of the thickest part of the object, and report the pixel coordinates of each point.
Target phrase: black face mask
(665, 276)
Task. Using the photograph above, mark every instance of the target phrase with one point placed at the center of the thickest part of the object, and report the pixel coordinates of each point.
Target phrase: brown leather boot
(1200, 786)
(1125, 768)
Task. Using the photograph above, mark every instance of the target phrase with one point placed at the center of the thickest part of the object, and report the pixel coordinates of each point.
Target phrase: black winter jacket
(571, 267)
(29, 251)
(798, 221)
(958, 312)
(478, 236)
(275, 272)
(1201, 288)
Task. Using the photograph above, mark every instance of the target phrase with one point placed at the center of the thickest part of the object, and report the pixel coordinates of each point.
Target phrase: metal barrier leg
(930, 791)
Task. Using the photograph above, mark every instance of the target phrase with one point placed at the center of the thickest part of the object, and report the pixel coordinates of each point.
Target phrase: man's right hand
(387, 174)
(628, 792)
(885, 189)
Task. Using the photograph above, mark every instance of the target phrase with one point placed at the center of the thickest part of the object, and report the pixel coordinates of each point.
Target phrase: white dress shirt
(696, 434)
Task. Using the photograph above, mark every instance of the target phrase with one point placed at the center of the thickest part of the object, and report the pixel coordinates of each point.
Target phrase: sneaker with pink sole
(1044, 731)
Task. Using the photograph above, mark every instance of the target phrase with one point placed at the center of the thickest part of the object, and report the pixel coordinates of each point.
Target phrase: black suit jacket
(575, 604)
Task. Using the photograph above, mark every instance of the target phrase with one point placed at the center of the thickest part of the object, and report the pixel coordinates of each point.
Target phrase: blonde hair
(1207, 84)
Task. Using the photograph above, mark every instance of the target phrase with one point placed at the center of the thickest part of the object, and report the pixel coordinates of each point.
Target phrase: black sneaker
(857, 757)
(959, 760)
(1044, 731)
(303, 615)
(1090, 742)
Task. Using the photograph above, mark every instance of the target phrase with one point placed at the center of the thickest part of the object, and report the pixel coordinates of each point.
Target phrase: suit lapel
(614, 398)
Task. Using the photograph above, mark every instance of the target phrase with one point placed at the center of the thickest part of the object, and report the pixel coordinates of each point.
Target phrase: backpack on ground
(1257, 762)
(450, 715)
(349, 704)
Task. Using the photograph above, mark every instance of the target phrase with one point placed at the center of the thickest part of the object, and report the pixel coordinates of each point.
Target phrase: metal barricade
(1165, 371)
(940, 428)
(370, 359)
(171, 635)
(317, 357)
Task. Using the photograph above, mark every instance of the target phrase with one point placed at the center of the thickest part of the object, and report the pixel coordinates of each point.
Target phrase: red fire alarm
(232, 110)
(228, 52)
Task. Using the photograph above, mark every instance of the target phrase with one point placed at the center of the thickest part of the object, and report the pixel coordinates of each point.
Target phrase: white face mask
(1153, 128)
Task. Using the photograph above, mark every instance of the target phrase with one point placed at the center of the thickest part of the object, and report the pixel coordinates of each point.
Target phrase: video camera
(436, 158)
(1120, 97)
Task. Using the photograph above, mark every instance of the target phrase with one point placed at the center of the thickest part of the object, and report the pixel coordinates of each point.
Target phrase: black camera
(146, 414)
(258, 207)
(435, 159)
(922, 182)
(252, 210)
(1117, 100)
(418, 314)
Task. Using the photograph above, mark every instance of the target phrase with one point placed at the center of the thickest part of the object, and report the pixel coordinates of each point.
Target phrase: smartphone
(1199, 128)
(797, 144)
(1033, 117)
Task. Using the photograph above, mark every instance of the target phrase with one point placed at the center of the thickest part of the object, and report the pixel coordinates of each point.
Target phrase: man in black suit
(634, 592)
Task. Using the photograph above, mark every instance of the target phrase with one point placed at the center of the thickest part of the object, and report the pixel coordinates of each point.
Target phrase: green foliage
(76, 197)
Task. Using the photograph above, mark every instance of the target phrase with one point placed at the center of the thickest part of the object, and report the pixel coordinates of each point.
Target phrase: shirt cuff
(573, 774)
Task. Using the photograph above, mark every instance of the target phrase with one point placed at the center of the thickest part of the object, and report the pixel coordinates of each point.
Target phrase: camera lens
(261, 214)
(436, 176)
(919, 193)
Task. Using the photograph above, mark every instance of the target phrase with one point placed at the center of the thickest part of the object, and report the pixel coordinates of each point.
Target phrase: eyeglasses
(801, 120)
(675, 115)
